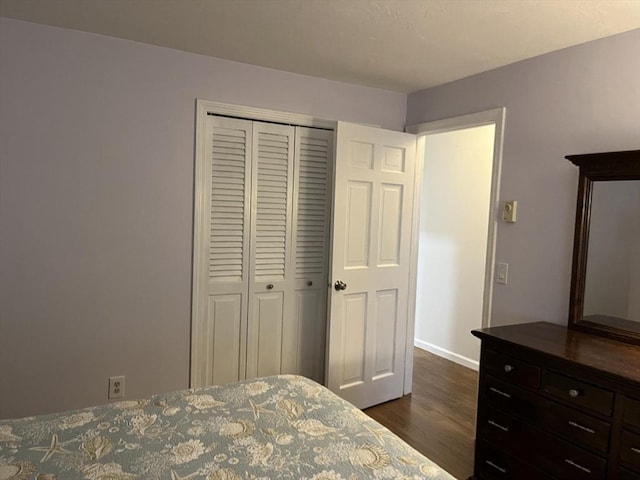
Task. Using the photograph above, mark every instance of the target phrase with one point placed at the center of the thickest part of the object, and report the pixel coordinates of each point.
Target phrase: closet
(260, 250)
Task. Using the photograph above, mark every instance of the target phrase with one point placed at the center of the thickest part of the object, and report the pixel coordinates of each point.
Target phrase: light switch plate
(502, 273)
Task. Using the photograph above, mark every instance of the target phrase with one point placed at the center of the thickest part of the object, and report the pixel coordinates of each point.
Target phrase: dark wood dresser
(555, 403)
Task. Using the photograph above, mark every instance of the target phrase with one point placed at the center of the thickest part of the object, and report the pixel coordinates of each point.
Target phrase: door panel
(353, 339)
(358, 224)
(390, 225)
(267, 320)
(372, 218)
(271, 281)
(224, 320)
(310, 253)
(307, 358)
(220, 240)
(386, 327)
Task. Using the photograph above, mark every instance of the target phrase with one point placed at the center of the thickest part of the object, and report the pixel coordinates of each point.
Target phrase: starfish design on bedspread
(256, 408)
(51, 450)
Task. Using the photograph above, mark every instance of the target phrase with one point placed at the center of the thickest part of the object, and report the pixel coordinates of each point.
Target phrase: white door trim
(497, 117)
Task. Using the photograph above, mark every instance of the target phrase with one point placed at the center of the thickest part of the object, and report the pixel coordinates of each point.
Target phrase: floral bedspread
(281, 427)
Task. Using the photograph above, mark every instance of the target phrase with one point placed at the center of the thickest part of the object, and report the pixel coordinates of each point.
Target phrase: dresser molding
(555, 403)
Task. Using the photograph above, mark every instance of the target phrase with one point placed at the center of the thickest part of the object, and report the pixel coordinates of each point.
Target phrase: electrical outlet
(116, 387)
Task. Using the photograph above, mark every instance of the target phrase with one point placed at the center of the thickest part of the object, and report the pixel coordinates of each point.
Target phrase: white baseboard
(444, 353)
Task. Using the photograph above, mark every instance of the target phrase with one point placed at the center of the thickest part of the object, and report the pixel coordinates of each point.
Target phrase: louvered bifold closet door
(311, 219)
(271, 282)
(221, 247)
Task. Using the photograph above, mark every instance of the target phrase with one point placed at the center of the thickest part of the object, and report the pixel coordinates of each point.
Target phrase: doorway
(456, 233)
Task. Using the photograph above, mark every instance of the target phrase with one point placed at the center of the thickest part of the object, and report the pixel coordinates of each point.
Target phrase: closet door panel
(271, 276)
(311, 220)
(224, 320)
(268, 315)
(221, 243)
(310, 330)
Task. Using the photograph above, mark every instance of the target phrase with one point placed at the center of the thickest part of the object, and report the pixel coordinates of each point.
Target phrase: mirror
(605, 279)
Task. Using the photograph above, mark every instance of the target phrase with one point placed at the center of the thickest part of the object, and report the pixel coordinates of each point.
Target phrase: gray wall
(97, 155)
(578, 100)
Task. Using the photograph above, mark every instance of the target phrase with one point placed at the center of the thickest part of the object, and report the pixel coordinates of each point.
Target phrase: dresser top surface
(602, 354)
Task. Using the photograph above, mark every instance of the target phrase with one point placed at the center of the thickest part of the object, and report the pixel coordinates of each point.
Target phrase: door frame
(495, 117)
(203, 109)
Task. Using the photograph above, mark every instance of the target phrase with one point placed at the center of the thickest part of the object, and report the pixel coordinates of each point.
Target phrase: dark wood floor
(438, 418)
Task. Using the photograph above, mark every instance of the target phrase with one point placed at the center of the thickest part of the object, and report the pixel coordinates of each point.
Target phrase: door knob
(270, 286)
(340, 285)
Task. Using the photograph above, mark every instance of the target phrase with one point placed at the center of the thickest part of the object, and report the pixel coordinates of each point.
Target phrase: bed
(280, 427)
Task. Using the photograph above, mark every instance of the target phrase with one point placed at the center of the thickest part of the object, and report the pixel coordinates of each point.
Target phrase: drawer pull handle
(499, 392)
(497, 425)
(573, 393)
(582, 427)
(579, 467)
(491, 464)
(635, 450)
(508, 368)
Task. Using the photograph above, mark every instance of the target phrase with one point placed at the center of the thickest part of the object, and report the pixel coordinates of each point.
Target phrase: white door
(221, 268)
(310, 252)
(271, 279)
(289, 225)
(372, 218)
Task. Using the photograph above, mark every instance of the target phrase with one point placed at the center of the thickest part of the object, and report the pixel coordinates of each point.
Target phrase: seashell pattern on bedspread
(280, 427)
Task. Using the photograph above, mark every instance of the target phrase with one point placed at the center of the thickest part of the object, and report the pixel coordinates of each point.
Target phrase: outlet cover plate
(116, 387)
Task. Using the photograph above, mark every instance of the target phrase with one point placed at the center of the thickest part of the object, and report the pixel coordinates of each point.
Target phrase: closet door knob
(309, 283)
(270, 286)
(340, 285)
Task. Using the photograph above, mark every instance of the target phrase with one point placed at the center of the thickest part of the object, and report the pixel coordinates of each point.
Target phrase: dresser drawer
(493, 464)
(632, 411)
(510, 398)
(499, 429)
(574, 426)
(578, 393)
(624, 474)
(630, 449)
(566, 461)
(511, 369)
(552, 455)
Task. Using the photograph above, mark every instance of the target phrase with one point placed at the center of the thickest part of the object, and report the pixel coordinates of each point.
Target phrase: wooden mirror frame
(608, 166)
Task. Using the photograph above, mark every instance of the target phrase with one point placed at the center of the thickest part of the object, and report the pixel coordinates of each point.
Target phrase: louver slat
(311, 229)
(228, 184)
(271, 213)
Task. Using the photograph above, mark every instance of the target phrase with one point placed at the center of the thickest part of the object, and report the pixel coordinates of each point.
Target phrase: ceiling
(401, 45)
